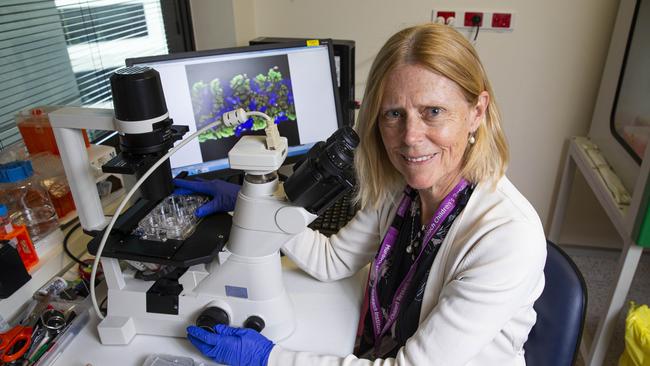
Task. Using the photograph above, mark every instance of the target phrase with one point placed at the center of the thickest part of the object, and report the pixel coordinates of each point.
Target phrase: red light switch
(501, 20)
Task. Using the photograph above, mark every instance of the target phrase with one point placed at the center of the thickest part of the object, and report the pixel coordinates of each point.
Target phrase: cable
(476, 20)
(229, 118)
(261, 114)
(101, 305)
(65, 244)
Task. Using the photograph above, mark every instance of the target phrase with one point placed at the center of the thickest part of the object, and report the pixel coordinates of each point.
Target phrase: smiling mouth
(418, 159)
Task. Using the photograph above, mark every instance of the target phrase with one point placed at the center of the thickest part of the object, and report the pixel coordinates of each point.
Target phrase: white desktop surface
(327, 315)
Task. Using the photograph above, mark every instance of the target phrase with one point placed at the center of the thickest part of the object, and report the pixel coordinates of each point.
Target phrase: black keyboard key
(336, 216)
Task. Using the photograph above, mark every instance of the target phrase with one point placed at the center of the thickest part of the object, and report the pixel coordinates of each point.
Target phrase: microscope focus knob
(212, 316)
(254, 322)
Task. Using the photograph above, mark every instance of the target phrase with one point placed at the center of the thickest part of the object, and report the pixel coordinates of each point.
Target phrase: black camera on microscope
(146, 130)
(325, 174)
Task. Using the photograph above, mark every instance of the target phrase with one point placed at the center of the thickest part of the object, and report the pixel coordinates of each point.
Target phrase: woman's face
(425, 122)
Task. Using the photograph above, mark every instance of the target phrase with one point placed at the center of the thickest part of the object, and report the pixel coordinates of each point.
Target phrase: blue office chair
(555, 338)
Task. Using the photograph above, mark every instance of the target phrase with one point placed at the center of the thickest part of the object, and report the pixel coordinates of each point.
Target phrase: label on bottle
(25, 247)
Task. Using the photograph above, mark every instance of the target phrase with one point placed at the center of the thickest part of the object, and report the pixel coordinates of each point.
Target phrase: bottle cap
(3, 210)
(15, 171)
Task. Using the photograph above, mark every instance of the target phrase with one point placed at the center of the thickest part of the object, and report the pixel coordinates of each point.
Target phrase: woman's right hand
(224, 194)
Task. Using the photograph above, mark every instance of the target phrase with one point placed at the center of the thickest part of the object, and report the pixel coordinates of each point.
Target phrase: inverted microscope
(183, 271)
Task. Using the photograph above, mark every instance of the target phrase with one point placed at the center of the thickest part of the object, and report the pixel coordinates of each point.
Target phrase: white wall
(214, 23)
(222, 23)
(545, 73)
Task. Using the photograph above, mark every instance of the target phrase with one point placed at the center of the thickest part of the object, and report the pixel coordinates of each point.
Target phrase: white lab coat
(478, 301)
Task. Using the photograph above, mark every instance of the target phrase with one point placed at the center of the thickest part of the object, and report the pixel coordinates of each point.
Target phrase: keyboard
(336, 216)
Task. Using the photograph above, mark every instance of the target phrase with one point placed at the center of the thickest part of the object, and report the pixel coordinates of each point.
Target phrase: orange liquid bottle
(34, 125)
(18, 237)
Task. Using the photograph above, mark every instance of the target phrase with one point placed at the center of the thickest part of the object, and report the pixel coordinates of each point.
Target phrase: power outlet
(473, 19)
(501, 20)
(447, 15)
(495, 21)
(443, 17)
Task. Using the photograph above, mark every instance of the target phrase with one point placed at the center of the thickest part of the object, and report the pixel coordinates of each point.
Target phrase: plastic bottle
(18, 237)
(50, 168)
(34, 126)
(27, 200)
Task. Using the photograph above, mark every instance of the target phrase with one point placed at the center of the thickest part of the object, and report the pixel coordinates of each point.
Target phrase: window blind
(62, 52)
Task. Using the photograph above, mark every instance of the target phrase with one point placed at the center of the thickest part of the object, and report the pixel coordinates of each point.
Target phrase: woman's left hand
(224, 194)
(231, 346)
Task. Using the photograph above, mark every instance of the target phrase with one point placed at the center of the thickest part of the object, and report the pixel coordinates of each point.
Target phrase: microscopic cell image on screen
(256, 84)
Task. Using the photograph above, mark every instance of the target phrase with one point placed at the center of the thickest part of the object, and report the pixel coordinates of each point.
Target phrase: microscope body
(240, 283)
(243, 283)
(248, 282)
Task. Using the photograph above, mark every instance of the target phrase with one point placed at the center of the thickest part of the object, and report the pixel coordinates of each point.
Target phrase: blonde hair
(446, 52)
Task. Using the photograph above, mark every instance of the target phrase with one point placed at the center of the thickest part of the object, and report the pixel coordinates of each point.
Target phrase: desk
(327, 315)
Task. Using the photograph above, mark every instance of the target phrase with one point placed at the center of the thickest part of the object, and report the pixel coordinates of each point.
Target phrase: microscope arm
(67, 124)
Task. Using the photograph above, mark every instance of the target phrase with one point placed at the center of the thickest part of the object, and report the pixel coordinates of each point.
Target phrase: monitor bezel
(244, 49)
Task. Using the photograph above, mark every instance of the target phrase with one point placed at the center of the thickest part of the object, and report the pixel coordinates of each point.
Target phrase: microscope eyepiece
(339, 149)
(325, 174)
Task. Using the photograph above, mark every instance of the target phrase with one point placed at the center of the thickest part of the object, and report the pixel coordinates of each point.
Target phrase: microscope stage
(201, 247)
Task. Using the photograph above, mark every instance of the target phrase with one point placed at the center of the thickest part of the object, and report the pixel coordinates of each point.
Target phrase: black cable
(101, 306)
(154, 276)
(476, 20)
(65, 244)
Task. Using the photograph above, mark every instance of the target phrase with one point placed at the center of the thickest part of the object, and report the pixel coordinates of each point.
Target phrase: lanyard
(381, 325)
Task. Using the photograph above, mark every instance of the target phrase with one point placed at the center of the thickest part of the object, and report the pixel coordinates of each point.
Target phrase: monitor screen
(294, 84)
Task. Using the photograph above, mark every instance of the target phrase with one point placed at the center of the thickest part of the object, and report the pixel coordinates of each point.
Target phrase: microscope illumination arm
(67, 124)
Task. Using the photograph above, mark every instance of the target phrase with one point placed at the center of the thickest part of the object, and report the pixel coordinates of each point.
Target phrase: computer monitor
(294, 83)
(344, 50)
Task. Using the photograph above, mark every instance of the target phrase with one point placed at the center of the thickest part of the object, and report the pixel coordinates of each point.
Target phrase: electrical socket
(501, 20)
(496, 21)
(470, 19)
(442, 17)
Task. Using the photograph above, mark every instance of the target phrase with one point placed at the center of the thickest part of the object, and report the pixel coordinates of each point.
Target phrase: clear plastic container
(172, 218)
(50, 169)
(4, 326)
(26, 199)
(160, 359)
(70, 331)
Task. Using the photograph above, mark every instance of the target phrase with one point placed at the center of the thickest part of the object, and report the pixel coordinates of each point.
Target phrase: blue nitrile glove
(231, 346)
(224, 194)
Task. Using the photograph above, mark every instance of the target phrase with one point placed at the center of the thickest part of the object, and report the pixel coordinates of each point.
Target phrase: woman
(457, 252)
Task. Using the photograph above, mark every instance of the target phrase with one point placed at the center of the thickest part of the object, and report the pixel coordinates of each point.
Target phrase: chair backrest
(555, 338)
